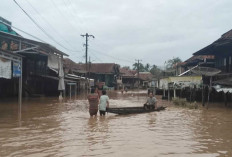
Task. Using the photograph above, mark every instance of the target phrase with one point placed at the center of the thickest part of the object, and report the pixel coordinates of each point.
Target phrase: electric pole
(86, 56)
(138, 72)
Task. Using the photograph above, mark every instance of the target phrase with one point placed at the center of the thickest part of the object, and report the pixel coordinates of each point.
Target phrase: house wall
(183, 79)
(128, 82)
(224, 63)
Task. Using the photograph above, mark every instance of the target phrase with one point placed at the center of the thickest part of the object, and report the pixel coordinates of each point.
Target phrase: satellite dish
(207, 71)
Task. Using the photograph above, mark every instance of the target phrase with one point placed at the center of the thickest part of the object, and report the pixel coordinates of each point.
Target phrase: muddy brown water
(52, 128)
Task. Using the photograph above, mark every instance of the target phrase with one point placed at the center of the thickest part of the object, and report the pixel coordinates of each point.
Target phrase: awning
(56, 78)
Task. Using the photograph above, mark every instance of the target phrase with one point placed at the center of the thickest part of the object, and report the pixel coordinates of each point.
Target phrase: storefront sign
(16, 69)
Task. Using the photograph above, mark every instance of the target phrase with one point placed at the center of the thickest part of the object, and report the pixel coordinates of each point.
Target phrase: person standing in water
(104, 103)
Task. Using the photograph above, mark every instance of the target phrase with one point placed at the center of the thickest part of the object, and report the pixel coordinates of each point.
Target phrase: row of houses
(209, 70)
(46, 71)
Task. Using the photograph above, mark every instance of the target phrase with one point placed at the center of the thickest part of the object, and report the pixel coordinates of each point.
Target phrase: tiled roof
(127, 72)
(104, 68)
(100, 68)
(144, 76)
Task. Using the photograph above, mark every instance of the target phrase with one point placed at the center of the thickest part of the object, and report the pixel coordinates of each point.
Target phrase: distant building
(100, 72)
(128, 77)
(145, 79)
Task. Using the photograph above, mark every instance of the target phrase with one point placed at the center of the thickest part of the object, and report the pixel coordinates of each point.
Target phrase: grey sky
(125, 30)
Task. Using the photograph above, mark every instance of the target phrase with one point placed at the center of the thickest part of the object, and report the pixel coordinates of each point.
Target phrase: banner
(16, 69)
(5, 68)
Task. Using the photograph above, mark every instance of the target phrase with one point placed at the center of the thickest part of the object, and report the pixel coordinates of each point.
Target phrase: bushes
(183, 102)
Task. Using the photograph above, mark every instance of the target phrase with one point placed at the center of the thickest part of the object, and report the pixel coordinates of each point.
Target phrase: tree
(141, 67)
(126, 67)
(171, 62)
(147, 67)
(155, 70)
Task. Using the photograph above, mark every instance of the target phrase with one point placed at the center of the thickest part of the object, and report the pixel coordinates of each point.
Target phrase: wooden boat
(131, 110)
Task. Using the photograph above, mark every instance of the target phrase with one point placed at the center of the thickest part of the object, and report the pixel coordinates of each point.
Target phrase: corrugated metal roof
(45, 46)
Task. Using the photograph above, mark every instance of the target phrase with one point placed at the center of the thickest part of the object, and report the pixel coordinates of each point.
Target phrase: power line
(23, 31)
(73, 55)
(47, 22)
(77, 14)
(41, 27)
(120, 59)
(86, 54)
(96, 57)
(60, 12)
(71, 13)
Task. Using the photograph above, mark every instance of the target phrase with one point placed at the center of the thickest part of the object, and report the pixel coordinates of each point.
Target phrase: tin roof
(42, 45)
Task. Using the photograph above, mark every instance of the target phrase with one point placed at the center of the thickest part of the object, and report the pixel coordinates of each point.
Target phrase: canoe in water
(131, 110)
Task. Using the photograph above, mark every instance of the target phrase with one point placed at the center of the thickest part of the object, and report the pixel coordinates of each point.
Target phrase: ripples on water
(52, 128)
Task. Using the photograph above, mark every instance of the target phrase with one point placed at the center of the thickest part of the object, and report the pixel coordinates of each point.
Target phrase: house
(184, 68)
(221, 49)
(128, 77)
(10, 73)
(104, 72)
(144, 79)
(41, 65)
(100, 72)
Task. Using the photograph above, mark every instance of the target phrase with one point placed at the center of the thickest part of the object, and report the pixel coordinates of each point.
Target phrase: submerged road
(52, 128)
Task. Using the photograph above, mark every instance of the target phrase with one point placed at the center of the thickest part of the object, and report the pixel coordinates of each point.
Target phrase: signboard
(5, 68)
(16, 69)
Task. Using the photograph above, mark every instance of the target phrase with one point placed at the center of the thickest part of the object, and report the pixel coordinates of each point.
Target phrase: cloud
(151, 30)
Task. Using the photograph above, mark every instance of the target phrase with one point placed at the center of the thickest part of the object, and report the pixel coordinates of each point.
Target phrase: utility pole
(138, 72)
(86, 56)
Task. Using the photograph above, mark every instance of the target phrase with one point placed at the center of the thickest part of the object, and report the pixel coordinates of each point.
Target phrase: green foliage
(171, 62)
(155, 70)
(126, 67)
(183, 103)
(141, 67)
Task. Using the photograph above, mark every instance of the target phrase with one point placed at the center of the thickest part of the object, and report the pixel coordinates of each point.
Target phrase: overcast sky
(150, 30)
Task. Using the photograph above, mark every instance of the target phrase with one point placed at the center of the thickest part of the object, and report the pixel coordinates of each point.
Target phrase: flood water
(52, 128)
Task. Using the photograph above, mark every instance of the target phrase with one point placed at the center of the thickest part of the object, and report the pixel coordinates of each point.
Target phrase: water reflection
(53, 128)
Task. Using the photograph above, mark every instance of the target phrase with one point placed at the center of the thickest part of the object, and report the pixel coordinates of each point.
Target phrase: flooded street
(52, 128)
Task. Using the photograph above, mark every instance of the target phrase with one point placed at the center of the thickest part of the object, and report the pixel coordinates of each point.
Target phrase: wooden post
(209, 90)
(168, 93)
(190, 95)
(75, 91)
(174, 92)
(70, 94)
(203, 95)
(225, 98)
(64, 91)
(20, 91)
(181, 90)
